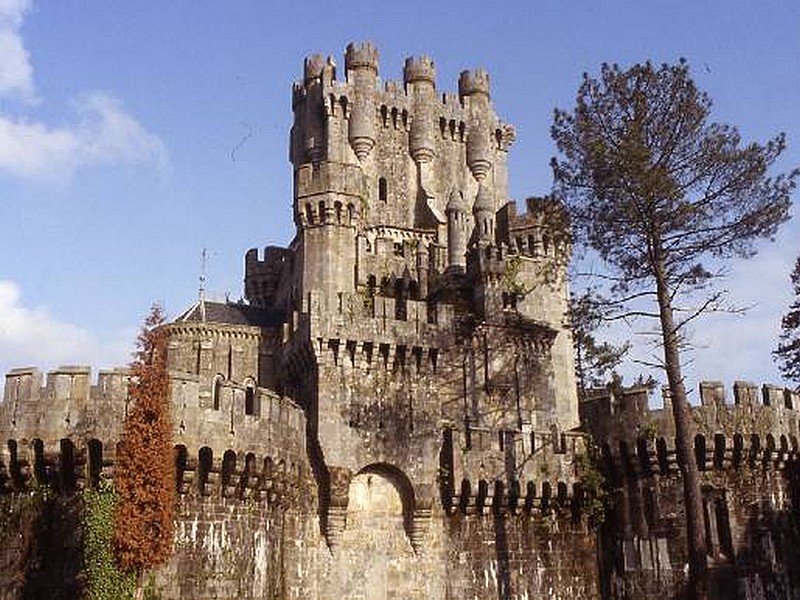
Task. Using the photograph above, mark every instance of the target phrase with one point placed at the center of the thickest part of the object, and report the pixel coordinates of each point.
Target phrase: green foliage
(594, 361)
(643, 172)
(15, 509)
(650, 431)
(150, 590)
(788, 351)
(104, 579)
(657, 191)
(511, 277)
(596, 497)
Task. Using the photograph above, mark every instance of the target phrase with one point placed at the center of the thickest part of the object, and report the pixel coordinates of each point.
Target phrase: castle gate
(375, 559)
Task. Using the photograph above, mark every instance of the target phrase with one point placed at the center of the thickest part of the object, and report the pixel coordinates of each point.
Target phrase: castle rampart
(747, 455)
(393, 413)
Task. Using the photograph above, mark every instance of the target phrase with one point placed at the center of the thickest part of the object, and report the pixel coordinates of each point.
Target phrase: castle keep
(393, 411)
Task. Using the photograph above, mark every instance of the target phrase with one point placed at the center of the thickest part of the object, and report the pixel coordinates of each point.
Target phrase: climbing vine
(14, 508)
(104, 579)
(511, 277)
(596, 499)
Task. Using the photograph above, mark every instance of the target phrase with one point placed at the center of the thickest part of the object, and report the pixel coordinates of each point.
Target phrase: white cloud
(102, 133)
(33, 337)
(16, 71)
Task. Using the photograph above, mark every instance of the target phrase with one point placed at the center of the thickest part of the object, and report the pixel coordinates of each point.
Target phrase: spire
(201, 292)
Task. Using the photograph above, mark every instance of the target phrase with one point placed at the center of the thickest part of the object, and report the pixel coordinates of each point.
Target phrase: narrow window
(250, 399)
(382, 189)
(723, 527)
(67, 466)
(217, 392)
(95, 448)
(228, 469)
(700, 451)
(401, 299)
(205, 464)
(39, 470)
(181, 461)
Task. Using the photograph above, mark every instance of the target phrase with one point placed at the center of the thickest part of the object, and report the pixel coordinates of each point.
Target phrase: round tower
(473, 89)
(361, 65)
(419, 76)
(309, 103)
(484, 213)
(456, 231)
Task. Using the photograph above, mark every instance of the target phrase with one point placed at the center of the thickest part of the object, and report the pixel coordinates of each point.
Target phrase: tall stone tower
(420, 307)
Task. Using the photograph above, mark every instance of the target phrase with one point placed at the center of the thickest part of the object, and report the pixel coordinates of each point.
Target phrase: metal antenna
(201, 293)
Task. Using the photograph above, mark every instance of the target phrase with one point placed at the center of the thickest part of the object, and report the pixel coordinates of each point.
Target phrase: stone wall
(747, 453)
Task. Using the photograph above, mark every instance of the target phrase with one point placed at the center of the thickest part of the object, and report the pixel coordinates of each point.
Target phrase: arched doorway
(380, 561)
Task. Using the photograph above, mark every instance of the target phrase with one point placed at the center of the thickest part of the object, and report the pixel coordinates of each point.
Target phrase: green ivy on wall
(104, 579)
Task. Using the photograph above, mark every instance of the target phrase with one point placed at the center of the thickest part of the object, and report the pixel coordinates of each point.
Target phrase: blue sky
(135, 134)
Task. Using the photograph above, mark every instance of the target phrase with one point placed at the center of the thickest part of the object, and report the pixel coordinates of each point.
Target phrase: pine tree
(788, 351)
(144, 475)
(656, 190)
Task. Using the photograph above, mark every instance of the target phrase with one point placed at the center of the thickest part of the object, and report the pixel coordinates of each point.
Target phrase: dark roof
(232, 314)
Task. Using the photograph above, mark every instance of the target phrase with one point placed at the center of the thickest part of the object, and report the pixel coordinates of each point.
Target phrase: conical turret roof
(455, 202)
(484, 200)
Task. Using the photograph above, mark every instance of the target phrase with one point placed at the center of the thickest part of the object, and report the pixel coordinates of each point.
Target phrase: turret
(473, 89)
(361, 64)
(423, 262)
(263, 277)
(456, 231)
(484, 213)
(308, 137)
(419, 76)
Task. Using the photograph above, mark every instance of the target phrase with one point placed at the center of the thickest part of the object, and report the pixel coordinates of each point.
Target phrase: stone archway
(374, 559)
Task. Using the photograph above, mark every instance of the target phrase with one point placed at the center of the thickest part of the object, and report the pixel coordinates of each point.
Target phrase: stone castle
(393, 413)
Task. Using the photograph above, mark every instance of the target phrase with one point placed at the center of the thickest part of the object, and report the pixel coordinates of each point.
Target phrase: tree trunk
(692, 494)
(579, 369)
(138, 592)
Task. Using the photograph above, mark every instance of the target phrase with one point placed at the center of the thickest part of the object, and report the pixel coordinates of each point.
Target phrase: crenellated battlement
(760, 428)
(311, 180)
(313, 67)
(66, 404)
(747, 456)
(361, 55)
(216, 416)
(72, 465)
(526, 473)
(419, 68)
(343, 121)
(263, 276)
(375, 319)
(543, 230)
(473, 82)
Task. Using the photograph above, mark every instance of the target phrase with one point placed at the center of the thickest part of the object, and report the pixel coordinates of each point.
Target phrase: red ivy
(145, 475)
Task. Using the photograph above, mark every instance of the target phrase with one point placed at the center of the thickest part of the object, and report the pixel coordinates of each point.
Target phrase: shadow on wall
(752, 519)
(41, 546)
(767, 565)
